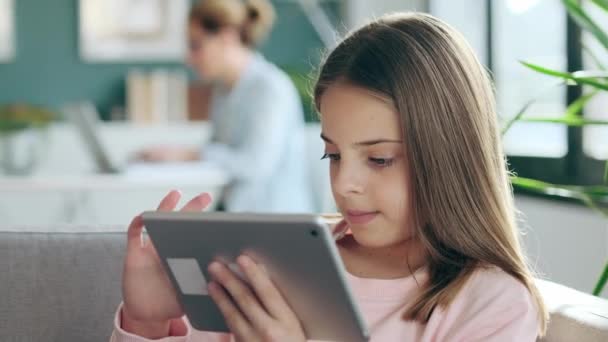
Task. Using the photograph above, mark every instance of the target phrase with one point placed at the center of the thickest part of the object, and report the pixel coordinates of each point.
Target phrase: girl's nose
(348, 179)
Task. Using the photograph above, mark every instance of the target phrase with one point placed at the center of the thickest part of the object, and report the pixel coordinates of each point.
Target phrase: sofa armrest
(575, 316)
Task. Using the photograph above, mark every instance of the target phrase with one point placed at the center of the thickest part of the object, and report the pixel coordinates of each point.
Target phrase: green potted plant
(16, 121)
(303, 83)
(594, 196)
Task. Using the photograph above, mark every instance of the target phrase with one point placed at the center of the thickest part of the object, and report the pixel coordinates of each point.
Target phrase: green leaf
(544, 187)
(602, 4)
(547, 71)
(303, 82)
(575, 107)
(599, 192)
(606, 173)
(601, 283)
(590, 74)
(525, 108)
(585, 22)
(13, 126)
(573, 121)
(517, 117)
(595, 197)
(591, 81)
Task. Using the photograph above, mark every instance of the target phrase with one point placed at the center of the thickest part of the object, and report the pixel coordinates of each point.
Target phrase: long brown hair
(463, 202)
(252, 18)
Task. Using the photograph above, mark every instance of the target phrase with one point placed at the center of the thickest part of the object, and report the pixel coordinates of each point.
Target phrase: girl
(256, 112)
(428, 238)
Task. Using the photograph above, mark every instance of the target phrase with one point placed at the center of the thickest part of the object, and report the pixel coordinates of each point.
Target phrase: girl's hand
(254, 312)
(168, 154)
(149, 299)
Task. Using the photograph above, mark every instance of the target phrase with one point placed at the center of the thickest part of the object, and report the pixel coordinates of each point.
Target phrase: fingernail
(214, 267)
(244, 260)
(203, 197)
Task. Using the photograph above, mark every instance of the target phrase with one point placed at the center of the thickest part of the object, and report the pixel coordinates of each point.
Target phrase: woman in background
(256, 112)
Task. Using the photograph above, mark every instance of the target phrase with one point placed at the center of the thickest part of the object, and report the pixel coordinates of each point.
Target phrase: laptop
(86, 119)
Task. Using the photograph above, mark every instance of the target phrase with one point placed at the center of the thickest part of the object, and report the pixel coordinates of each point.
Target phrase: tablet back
(298, 251)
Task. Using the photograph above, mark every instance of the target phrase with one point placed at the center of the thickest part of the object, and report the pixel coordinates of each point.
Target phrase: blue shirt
(258, 138)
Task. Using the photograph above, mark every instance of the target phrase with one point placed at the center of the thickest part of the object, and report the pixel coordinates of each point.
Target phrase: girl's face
(205, 52)
(368, 169)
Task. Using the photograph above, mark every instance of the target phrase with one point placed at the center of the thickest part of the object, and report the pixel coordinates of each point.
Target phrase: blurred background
(121, 63)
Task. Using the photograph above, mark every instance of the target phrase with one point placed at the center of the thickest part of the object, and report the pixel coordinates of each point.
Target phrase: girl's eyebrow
(364, 143)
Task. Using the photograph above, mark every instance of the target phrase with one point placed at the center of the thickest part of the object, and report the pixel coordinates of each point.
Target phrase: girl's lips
(360, 217)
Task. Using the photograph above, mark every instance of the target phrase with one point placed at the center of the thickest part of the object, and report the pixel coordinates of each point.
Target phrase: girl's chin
(367, 240)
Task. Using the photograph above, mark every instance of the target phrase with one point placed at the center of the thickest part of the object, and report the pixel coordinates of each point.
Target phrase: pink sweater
(493, 306)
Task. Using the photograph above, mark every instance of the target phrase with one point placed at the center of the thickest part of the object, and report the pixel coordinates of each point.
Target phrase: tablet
(298, 251)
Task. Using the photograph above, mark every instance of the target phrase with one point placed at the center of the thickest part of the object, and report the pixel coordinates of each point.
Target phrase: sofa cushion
(59, 286)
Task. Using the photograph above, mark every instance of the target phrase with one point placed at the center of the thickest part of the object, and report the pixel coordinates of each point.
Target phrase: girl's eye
(331, 156)
(381, 162)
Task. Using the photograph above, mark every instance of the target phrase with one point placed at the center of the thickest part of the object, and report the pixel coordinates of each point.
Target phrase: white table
(102, 199)
(65, 189)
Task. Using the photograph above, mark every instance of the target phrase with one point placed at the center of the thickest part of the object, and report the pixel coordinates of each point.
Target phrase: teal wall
(48, 71)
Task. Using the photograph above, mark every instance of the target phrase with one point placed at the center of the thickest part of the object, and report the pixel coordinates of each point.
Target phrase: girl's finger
(234, 318)
(134, 232)
(241, 295)
(198, 203)
(340, 229)
(266, 291)
(169, 202)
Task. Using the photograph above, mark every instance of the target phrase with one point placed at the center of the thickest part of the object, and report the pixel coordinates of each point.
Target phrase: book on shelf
(157, 96)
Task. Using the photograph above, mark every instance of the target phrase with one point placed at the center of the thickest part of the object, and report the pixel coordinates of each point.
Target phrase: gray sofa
(60, 285)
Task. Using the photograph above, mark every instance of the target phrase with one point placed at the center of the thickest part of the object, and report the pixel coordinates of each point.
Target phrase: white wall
(358, 12)
(568, 242)
(469, 19)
